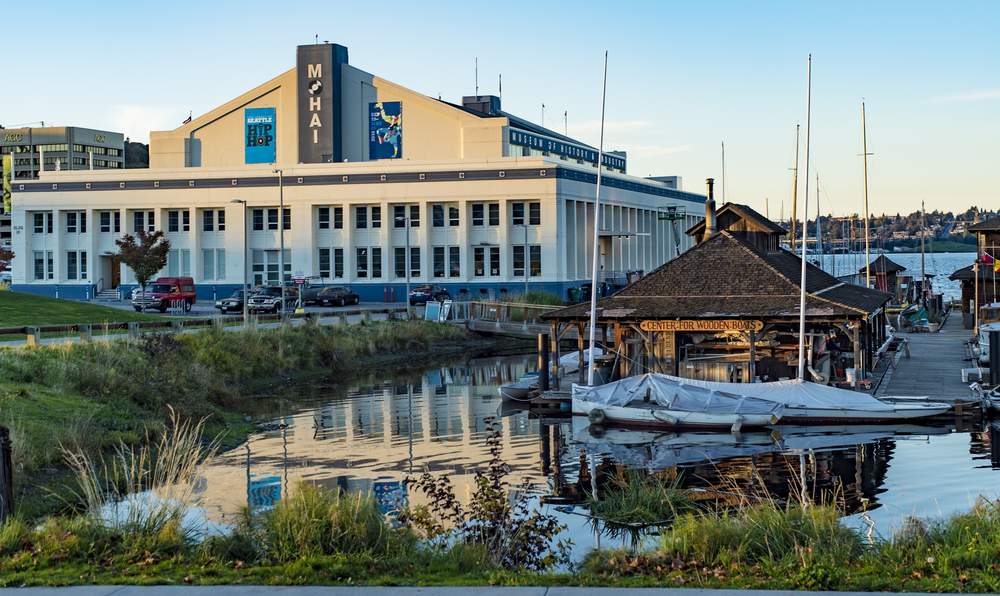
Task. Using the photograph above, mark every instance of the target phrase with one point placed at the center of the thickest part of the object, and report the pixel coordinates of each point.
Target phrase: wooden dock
(935, 364)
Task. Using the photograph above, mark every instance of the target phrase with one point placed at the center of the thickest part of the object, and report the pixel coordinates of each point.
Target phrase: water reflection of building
(379, 434)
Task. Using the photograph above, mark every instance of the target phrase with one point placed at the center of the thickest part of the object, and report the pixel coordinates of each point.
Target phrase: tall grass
(537, 297)
(144, 489)
(633, 498)
(316, 521)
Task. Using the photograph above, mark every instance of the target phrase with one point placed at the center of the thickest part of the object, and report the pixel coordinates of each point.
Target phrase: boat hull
(664, 418)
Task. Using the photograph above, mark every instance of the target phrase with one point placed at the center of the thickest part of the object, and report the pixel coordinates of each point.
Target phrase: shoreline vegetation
(92, 397)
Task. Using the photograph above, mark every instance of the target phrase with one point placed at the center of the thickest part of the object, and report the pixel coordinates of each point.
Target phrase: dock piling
(543, 361)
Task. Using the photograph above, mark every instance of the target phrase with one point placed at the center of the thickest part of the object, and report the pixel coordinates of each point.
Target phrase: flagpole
(805, 235)
(597, 225)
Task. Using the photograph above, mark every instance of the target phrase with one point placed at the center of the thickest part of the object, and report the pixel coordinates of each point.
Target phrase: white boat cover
(799, 394)
(674, 394)
(571, 362)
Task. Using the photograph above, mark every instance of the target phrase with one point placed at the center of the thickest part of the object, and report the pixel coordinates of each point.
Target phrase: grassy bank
(91, 396)
(18, 309)
(319, 536)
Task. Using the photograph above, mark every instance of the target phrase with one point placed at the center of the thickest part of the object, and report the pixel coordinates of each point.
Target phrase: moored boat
(655, 400)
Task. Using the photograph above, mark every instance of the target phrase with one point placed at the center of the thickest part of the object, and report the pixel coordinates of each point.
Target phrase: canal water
(373, 435)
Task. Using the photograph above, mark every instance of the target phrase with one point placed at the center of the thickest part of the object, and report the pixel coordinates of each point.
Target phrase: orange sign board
(699, 325)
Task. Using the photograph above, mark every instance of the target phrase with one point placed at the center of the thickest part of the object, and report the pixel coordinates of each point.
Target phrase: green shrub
(14, 536)
(762, 533)
(316, 521)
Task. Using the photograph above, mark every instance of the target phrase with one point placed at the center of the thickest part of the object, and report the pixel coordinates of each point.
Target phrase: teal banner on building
(385, 130)
(260, 135)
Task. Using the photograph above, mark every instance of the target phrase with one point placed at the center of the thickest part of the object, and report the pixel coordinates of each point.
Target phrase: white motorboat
(983, 340)
(570, 363)
(519, 390)
(811, 403)
(655, 400)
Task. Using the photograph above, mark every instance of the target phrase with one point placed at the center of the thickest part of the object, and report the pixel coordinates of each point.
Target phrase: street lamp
(246, 285)
(281, 237)
(406, 265)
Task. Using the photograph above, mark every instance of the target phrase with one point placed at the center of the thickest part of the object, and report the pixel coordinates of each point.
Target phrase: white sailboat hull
(667, 418)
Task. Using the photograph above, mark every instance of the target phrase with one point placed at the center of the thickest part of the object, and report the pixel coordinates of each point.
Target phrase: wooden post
(753, 355)
(86, 332)
(543, 361)
(620, 347)
(554, 351)
(6, 477)
(580, 347)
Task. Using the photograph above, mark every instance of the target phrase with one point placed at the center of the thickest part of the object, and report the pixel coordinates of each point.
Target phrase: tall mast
(864, 151)
(795, 186)
(805, 211)
(723, 172)
(923, 235)
(819, 230)
(597, 224)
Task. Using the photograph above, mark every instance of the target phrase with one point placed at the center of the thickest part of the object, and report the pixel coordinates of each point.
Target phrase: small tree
(145, 256)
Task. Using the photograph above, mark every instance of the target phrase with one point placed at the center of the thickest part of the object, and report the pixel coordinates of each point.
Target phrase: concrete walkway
(935, 364)
(395, 591)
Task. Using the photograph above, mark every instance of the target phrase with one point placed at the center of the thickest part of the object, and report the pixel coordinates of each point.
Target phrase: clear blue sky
(683, 77)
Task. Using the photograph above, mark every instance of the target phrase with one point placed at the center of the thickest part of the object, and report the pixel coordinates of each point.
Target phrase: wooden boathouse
(728, 310)
(981, 279)
(886, 275)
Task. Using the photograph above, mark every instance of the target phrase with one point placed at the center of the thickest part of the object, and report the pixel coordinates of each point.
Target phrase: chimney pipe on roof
(710, 227)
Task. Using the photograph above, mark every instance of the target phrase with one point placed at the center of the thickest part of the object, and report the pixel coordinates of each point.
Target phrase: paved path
(400, 591)
(935, 364)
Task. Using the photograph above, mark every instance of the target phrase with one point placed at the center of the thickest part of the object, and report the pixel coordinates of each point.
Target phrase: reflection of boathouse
(728, 310)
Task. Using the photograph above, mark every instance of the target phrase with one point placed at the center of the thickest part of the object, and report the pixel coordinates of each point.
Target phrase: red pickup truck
(165, 293)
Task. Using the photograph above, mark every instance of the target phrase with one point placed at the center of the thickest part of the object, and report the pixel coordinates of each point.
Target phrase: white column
(504, 239)
(348, 243)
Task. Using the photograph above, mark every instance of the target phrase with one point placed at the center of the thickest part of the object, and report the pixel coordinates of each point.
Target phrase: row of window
(113, 151)
(212, 220)
(76, 264)
(446, 261)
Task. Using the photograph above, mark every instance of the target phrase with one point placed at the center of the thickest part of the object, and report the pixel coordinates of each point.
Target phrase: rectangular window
(414, 261)
(324, 263)
(83, 264)
(118, 222)
(71, 264)
(48, 228)
(172, 263)
(338, 218)
(376, 262)
(287, 215)
(494, 261)
(208, 263)
(376, 216)
(437, 216)
(535, 259)
(185, 261)
(399, 261)
(138, 221)
(220, 263)
(454, 262)
(362, 262)
(535, 214)
(150, 222)
(517, 257)
(105, 218)
(494, 214)
(479, 261)
(477, 214)
(338, 262)
(186, 220)
(361, 217)
(258, 220)
(453, 216)
(414, 216)
(323, 223)
(83, 222)
(438, 261)
(517, 214)
(173, 221)
(399, 216)
(50, 266)
(39, 222)
(39, 257)
(220, 220)
(71, 222)
(208, 220)
(272, 219)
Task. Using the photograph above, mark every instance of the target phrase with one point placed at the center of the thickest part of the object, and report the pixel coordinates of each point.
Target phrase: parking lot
(206, 308)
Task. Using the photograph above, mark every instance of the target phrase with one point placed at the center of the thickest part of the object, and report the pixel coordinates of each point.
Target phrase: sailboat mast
(723, 172)
(923, 236)
(864, 151)
(819, 230)
(795, 187)
(597, 224)
(805, 211)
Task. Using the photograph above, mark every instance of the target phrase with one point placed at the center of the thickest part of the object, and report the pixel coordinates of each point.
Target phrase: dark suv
(268, 299)
(428, 293)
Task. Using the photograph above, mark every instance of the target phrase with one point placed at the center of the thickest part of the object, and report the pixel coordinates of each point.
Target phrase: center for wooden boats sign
(702, 325)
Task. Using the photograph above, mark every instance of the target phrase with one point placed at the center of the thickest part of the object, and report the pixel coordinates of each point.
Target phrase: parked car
(336, 296)
(231, 303)
(268, 299)
(428, 293)
(166, 292)
(310, 292)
